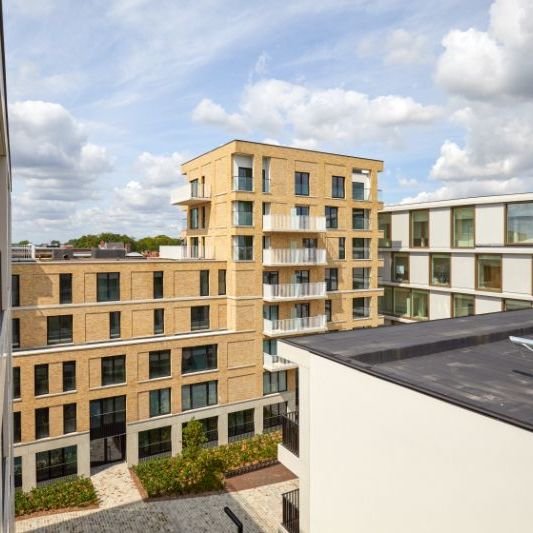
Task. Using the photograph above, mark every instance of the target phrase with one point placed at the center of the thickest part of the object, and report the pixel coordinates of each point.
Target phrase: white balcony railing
(294, 325)
(294, 256)
(186, 252)
(294, 291)
(275, 363)
(23, 252)
(293, 223)
(192, 195)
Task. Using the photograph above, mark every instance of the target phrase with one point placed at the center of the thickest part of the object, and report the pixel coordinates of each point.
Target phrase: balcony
(291, 511)
(275, 363)
(294, 223)
(289, 326)
(290, 432)
(197, 194)
(364, 194)
(294, 291)
(186, 253)
(294, 256)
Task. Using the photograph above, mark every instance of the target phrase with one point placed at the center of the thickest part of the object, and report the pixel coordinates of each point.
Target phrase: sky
(108, 97)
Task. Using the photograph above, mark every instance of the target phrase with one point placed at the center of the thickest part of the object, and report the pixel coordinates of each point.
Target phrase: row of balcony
(290, 326)
(294, 291)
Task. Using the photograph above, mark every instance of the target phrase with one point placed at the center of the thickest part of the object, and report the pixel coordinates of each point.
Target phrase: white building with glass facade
(456, 257)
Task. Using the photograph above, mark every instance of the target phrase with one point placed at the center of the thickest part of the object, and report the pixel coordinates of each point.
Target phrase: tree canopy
(137, 245)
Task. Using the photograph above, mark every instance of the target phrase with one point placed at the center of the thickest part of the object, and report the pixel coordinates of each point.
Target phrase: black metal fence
(290, 432)
(291, 511)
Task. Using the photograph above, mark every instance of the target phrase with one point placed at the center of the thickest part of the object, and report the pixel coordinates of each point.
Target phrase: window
(194, 218)
(158, 285)
(222, 281)
(463, 227)
(155, 442)
(402, 302)
(243, 248)
(159, 364)
(332, 279)
(266, 174)
(199, 395)
(400, 268)
(108, 417)
(360, 219)
(440, 265)
(204, 282)
(244, 181)
(337, 186)
(419, 229)
(360, 308)
(310, 244)
(301, 183)
(59, 329)
(271, 312)
(17, 471)
(271, 277)
(489, 272)
(327, 310)
(420, 304)
(342, 247)
(41, 379)
(512, 305)
(114, 325)
(274, 382)
(210, 427)
(519, 223)
(272, 416)
(195, 189)
(15, 290)
(360, 278)
(159, 321)
(15, 332)
(241, 425)
(65, 288)
(69, 418)
(17, 427)
(302, 276)
(359, 191)
(69, 375)
(332, 217)
(385, 302)
(16, 382)
(360, 248)
(462, 305)
(159, 402)
(53, 464)
(270, 346)
(108, 286)
(113, 370)
(384, 223)
(41, 423)
(243, 213)
(199, 317)
(199, 358)
(301, 311)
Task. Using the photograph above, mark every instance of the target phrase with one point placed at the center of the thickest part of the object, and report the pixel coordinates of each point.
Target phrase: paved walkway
(122, 510)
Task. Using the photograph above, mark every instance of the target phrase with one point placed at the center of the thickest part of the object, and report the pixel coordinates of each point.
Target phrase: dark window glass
(16, 382)
(159, 321)
(210, 426)
(310, 244)
(222, 281)
(198, 358)
(342, 247)
(302, 276)
(463, 305)
(199, 317)
(159, 402)
(332, 217)
(194, 218)
(272, 416)
(114, 325)
(41, 379)
(159, 364)
(69, 375)
(360, 219)
(271, 277)
(360, 248)
(158, 285)
(65, 288)
(59, 329)
(244, 180)
(332, 279)
(274, 382)
(17, 427)
(108, 417)
(301, 183)
(17, 470)
(41, 423)
(53, 464)
(108, 286)
(243, 213)
(198, 395)
(384, 225)
(243, 248)
(360, 308)
(327, 308)
(400, 267)
(359, 192)
(15, 332)
(241, 424)
(155, 442)
(360, 278)
(113, 370)
(69, 418)
(204, 282)
(270, 346)
(15, 290)
(337, 186)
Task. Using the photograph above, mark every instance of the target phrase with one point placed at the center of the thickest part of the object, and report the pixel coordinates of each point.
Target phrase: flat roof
(467, 361)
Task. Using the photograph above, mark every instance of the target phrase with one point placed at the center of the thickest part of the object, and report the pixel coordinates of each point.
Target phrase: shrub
(78, 492)
(194, 438)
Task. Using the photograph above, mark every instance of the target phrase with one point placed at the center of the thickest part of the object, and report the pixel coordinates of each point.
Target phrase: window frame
(112, 326)
(16, 382)
(159, 321)
(17, 427)
(274, 382)
(156, 397)
(199, 325)
(158, 285)
(109, 292)
(452, 226)
(15, 332)
(221, 281)
(156, 358)
(302, 182)
(431, 269)
(335, 186)
(411, 228)
(204, 282)
(66, 378)
(70, 418)
(65, 292)
(161, 444)
(15, 290)
(65, 324)
(37, 387)
(44, 431)
(63, 469)
(394, 255)
(453, 295)
(106, 374)
(331, 213)
(188, 355)
(500, 277)
(190, 387)
(506, 224)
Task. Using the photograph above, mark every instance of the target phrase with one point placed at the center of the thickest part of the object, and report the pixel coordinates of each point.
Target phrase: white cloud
(407, 182)
(208, 112)
(406, 48)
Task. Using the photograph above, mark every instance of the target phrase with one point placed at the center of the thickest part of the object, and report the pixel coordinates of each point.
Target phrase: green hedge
(78, 492)
(179, 475)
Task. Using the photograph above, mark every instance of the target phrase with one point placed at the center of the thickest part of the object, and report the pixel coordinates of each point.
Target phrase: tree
(194, 438)
(23, 243)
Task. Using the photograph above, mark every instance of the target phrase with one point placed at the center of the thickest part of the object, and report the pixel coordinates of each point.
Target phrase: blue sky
(108, 97)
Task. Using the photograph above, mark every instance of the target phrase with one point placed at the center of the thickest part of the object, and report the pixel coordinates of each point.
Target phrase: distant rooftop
(465, 361)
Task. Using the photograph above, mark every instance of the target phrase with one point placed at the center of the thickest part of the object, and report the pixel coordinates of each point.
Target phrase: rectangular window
(204, 282)
(332, 217)
(59, 329)
(113, 370)
(158, 285)
(360, 278)
(402, 302)
(243, 213)
(360, 308)
(69, 418)
(360, 248)
(159, 364)
(463, 227)
(272, 416)
(222, 282)
(327, 310)
(15, 332)
(302, 276)
(301, 183)
(199, 317)
(199, 358)
(384, 225)
(16, 382)
(462, 305)
(107, 417)
(359, 191)
(15, 290)
(243, 248)
(199, 395)
(114, 325)
(332, 279)
(337, 186)
(266, 174)
(310, 244)
(513, 305)
(58, 463)
(155, 442)
(342, 247)
(360, 219)
(489, 272)
(270, 346)
(419, 228)
(194, 218)
(65, 288)
(519, 223)
(385, 302)
(42, 426)
(400, 268)
(420, 304)
(241, 425)
(440, 274)
(69, 375)
(244, 180)
(159, 321)
(274, 382)
(159, 402)
(41, 379)
(17, 427)
(17, 471)
(108, 286)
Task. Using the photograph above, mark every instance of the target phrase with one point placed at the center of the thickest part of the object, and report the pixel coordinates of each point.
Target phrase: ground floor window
(511, 305)
(463, 305)
(155, 442)
(58, 463)
(272, 416)
(241, 425)
(210, 426)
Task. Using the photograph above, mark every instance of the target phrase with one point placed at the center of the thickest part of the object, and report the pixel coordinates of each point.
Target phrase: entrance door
(108, 450)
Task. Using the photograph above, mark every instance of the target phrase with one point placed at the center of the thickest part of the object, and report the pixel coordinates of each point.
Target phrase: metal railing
(294, 325)
(286, 291)
(108, 424)
(243, 253)
(186, 252)
(293, 223)
(291, 511)
(294, 256)
(266, 184)
(243, 183)
(23, 252)
(274, 363)
(244, 431)
(361, 224)
(195, 192)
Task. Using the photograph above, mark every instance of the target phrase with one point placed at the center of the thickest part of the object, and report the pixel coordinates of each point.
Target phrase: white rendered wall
(490, 225)
(439, 228)
(241, 161)
(439, 305)
(400, 229)
(463, 271)
(486, 304)
(419, 268)
(516, 274)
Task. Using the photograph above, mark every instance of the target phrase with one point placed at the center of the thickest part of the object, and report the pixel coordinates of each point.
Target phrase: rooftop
(466, 361)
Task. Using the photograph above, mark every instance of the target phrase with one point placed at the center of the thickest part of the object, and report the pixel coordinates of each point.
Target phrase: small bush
(78, 492)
